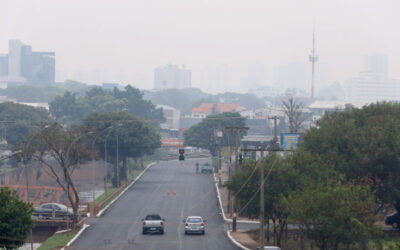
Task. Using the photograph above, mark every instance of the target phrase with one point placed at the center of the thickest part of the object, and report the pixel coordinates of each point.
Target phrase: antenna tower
(313, 59)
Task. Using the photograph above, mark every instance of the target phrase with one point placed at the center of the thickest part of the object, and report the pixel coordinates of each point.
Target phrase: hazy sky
(128, 39)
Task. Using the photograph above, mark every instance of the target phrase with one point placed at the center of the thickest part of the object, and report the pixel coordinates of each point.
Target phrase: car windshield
(194, 220)
(153, 217)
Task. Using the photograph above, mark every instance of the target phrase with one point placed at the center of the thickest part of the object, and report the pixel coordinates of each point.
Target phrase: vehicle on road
(393, 220)
(206, 168)
(153, 223)
(48, 210)
(194, 224)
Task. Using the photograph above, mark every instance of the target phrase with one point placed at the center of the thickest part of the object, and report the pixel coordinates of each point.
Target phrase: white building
(373, 84)
(368, 88)
(172, 117)
(172, 77)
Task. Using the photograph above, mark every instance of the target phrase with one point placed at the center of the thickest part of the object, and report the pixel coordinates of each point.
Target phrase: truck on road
(153, 223)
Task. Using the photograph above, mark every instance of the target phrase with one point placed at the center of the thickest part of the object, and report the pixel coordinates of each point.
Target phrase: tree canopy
(203, 134)
(15, 219)
(18, 120)
(71, 109)
(136, 137)
(364, 145)
(59, 151)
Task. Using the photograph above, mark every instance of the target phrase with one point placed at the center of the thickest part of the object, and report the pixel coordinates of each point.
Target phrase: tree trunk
(141, 163)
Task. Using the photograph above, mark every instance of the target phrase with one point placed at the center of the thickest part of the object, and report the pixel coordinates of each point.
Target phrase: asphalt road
(121, 226)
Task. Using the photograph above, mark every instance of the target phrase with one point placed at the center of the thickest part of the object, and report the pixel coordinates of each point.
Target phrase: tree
(334, 215)
(59, 151)
(136, 137)
(71, 109)
(15, 219)
(18, 120)
(363, 145)
(293, 110)
(278, 185)
(203, 134)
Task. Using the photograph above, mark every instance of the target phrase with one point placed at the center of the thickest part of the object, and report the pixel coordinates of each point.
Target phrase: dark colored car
(45, 211)
(393, 220)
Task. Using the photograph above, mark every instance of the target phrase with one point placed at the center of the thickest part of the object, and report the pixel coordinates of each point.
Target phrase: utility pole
(262, 205)
(118, 183)
(275, 118)
(237, 132)
(262, 209)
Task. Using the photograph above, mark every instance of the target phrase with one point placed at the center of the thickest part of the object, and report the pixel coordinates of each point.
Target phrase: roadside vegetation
(58, 241)
(344, 173)
(15, 218)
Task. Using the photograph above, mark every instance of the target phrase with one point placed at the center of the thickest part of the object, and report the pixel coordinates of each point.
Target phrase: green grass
(58, 241)
(131, 176)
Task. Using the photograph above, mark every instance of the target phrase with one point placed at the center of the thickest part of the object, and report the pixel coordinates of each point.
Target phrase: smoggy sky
(128, 39)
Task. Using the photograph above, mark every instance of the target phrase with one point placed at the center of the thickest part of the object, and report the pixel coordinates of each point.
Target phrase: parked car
(206, 168)
(393, 220)
(45, 211)
(194, 224)
(153, 223)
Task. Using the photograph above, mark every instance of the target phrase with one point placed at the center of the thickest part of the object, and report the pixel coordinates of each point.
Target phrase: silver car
(45, 211)
(194, 224)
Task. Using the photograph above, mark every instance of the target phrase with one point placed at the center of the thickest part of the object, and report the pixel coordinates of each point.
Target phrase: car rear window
(194, 220)
(153, 217)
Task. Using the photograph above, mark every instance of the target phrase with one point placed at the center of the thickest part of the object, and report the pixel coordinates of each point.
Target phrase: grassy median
(58, 241)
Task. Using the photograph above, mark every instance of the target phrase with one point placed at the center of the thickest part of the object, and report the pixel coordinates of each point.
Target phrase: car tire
(186, 233)
(395, 225)
(143, 231)
(162, 231)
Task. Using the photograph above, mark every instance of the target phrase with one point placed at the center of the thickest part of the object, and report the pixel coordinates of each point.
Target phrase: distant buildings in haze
(23, 66)
(172, 77)
(256, 76)
(373, 84)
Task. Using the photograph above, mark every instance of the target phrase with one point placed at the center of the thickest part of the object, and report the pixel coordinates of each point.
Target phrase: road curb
(76, 236)
(235, 241)
(126, 188)
(223, 212)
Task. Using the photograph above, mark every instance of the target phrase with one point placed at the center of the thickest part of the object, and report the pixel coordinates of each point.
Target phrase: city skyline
(123, 41)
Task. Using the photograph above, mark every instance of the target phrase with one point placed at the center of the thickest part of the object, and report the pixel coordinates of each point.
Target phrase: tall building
(25, 66)
(37, 67)
(172, 77)
(3, 65)
(14, 58)
(377, 65)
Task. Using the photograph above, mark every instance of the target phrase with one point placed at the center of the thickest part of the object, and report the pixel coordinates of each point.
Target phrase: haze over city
(124, 41)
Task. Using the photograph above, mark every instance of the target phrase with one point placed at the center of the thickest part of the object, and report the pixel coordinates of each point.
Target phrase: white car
(194, 224)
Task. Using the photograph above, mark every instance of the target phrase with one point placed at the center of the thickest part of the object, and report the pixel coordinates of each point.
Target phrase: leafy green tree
(334, 215)
(60, 152)
(67, 108)
(203, 134)
(18, 120)
(364, 145)
(136, 137)
(15, 219)
(71, 109)
(278, 185)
